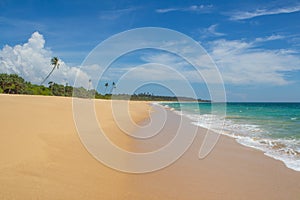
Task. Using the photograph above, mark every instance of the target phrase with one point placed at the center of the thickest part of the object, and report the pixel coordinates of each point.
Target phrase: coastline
(268, 127)
(230, 171)
(42, 157)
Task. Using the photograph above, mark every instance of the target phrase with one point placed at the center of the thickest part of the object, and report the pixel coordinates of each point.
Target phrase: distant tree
(18, 84)
(106, 86)
(68, 90)
(113, 86)
(33, 89)
(90, 82)
(4, 81)
(80, 92)
(12, 83)
(58, 90)
(55, 63)
(50, 83)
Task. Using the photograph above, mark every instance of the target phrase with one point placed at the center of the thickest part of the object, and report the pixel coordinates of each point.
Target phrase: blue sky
(255, 44)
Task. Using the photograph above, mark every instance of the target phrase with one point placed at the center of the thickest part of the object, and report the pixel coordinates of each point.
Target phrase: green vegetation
(151, 97)
(14, 84)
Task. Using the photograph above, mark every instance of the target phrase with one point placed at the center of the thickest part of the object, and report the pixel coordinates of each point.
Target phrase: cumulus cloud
(31, 60)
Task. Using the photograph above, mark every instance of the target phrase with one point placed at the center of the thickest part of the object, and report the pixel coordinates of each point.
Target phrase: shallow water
(271, 127)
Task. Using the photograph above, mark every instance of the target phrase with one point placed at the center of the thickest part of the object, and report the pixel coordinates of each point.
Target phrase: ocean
(273, 128)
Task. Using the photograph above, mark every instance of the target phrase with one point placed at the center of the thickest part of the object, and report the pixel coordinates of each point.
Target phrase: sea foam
(250, 135)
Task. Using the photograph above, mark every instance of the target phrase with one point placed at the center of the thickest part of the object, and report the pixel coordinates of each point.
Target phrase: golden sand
(42, 157)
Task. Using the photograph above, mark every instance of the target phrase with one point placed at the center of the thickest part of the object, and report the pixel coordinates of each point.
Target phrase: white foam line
(206, 121)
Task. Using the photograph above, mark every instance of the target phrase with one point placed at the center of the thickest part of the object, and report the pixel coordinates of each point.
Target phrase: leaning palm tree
(55, 63)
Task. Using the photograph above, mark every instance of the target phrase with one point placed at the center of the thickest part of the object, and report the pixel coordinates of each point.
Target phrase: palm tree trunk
(48, 76)
(111, 90)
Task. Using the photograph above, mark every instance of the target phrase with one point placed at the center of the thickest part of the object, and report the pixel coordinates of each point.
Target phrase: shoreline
(42, 157)
(276, 148)
(230, 171)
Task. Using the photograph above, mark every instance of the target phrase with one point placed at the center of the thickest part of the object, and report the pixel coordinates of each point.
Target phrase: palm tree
(89, 87)
(112, 87)
(50, 83)
(106, 85)
(55, 63)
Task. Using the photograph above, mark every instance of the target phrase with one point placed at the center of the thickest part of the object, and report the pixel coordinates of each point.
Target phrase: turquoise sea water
(273, 128)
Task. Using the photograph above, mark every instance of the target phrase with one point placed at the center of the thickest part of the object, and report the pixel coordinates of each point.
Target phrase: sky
(253, 45)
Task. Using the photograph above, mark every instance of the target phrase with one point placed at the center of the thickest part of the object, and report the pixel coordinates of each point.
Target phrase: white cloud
(269, 38)
(193, 8)
(153, 72)
(166, 10)
(115, 14)
(32, 61)
(158, 74)
(241, 15)
(164, 58)
(169, 67)
(242, 62)
(210, 31)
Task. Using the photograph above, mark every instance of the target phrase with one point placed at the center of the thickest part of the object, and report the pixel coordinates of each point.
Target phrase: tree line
(14, 84)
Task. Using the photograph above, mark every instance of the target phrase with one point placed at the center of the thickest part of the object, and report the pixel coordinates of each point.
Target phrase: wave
(285, 149)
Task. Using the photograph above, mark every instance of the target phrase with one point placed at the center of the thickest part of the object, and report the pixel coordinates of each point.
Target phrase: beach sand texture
(42, 157)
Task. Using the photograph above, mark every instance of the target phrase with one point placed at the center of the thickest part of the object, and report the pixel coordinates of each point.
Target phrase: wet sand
(42, 157)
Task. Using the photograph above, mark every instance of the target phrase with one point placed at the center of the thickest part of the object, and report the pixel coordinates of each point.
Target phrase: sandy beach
(42, 157)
